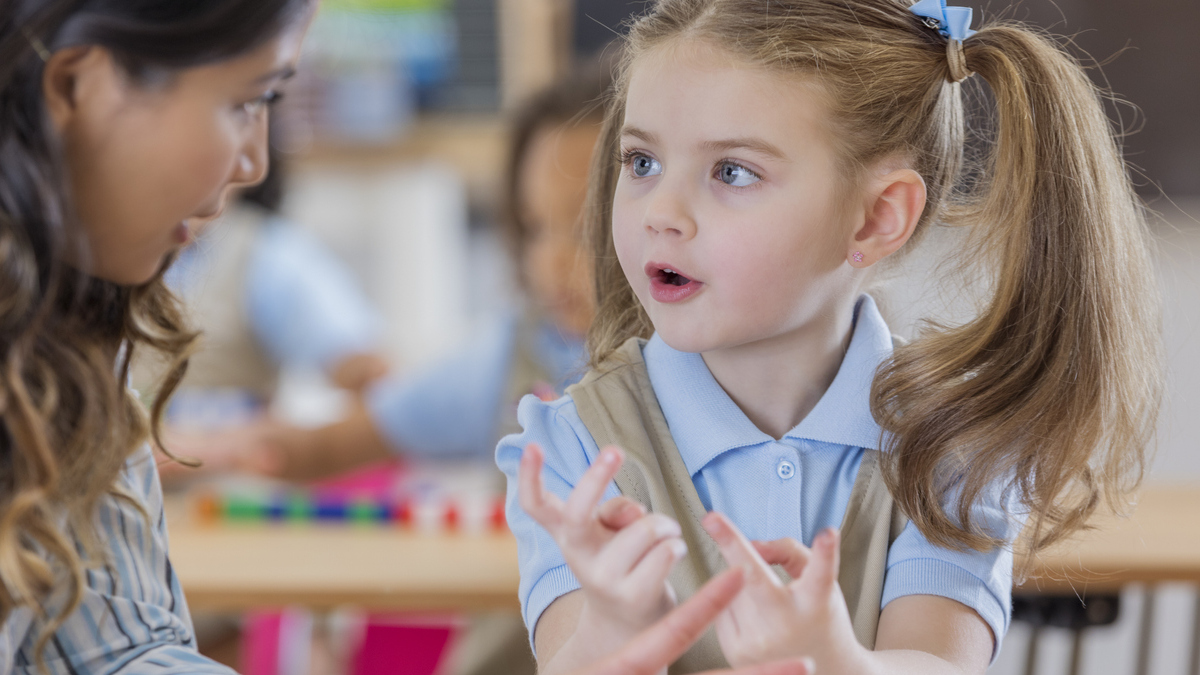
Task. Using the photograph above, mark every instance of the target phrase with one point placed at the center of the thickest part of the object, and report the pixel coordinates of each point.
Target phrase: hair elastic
(954, 24)
(39, 47)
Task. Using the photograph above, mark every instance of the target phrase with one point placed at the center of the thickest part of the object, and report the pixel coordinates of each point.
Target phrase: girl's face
(726, 217)
(148, 161)
(553, 187)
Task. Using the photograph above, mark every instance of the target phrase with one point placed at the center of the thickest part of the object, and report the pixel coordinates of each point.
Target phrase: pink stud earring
(858, 256)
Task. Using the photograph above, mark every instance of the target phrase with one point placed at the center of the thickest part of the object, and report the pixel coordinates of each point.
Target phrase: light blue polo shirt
(794, 487)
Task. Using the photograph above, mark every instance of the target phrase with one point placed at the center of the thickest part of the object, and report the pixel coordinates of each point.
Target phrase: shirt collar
(706, 423)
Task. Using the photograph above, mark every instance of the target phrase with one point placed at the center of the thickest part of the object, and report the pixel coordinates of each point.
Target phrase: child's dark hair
(575, 98)
(68, 423)
(1054, 387)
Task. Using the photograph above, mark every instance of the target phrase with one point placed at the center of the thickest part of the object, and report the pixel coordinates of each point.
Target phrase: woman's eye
(644, 166)
(736, 175)
(262, 102)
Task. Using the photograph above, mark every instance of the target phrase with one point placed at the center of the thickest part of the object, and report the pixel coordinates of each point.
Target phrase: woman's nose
(253, 160)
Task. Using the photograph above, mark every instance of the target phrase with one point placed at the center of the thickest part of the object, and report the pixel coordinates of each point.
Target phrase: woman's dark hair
(574, 98)
(68, 422)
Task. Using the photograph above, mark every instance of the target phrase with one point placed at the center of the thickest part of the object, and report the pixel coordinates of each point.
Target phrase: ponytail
(1056, 384)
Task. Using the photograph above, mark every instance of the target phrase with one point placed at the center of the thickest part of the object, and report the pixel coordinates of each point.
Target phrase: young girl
(122, 126)
(758, 160)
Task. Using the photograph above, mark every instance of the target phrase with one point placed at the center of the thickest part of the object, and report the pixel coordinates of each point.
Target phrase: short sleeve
(570, 450)
(451, 408)
(133, 617)
(304, 304)
(979, 580)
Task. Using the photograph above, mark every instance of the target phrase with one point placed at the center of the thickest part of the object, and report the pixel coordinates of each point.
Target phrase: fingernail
(712, 524)
(664, 528)
(608, 457)
(678, 549)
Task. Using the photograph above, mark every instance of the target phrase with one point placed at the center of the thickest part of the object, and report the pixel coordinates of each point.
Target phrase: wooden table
(1159, 542)
(238, 567)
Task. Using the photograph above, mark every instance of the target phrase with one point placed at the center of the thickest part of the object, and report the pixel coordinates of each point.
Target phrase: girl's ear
(72, 76)
(893, 208)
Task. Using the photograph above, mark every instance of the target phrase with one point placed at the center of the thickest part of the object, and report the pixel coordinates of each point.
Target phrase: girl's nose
(669, 212)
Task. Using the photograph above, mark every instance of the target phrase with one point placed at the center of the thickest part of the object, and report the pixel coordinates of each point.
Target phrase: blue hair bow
(952, 22)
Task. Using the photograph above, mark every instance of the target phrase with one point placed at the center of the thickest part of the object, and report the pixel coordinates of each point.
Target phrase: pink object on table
(375, 482)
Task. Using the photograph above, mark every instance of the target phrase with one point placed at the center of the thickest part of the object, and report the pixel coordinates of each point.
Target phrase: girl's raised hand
(656, 648)
(620, 555)
(770, 620)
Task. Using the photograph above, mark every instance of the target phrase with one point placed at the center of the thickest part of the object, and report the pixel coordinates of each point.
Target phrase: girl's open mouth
(669, 284)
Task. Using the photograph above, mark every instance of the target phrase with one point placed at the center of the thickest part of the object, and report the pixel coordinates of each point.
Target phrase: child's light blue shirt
(794, 487)
(453, 408)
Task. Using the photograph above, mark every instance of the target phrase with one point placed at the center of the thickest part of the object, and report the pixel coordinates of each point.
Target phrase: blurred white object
(403, 230)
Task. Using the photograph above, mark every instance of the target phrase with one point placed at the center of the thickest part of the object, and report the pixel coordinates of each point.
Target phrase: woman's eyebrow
(283, 73)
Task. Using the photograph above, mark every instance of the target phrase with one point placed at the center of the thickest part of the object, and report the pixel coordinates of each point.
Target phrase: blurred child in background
(461, 406)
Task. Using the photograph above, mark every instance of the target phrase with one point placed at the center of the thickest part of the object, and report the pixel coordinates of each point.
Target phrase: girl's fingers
(620, 512)
(787, 552)
(658, 646)
(542, 506)
(632, 544)
(581, 505)
(651, 570)
(821, 574)
(737, 550)
(797, 667)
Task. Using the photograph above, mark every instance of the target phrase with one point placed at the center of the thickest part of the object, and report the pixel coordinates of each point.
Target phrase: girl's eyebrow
(754, 144)
(644, 136)
(748, 143)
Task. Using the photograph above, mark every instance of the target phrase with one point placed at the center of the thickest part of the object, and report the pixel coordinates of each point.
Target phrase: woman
(123, 126)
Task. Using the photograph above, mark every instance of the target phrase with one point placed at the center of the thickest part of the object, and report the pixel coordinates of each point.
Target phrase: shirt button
(786, 469)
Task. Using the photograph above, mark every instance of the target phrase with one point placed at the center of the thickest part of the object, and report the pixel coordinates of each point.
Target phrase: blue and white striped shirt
(133, 617)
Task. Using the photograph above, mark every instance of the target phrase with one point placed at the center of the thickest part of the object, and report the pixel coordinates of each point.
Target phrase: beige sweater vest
(619, 407)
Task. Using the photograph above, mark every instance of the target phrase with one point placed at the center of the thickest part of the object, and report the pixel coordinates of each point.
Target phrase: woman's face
(150, 161)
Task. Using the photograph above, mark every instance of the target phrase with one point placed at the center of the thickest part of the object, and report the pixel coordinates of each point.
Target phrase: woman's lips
(669, 284)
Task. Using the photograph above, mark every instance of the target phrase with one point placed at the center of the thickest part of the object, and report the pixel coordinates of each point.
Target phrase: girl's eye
(736, 175)
(643, 166)
(262, 102)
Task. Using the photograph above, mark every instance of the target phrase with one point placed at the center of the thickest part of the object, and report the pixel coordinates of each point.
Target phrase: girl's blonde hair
(1054, 387)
